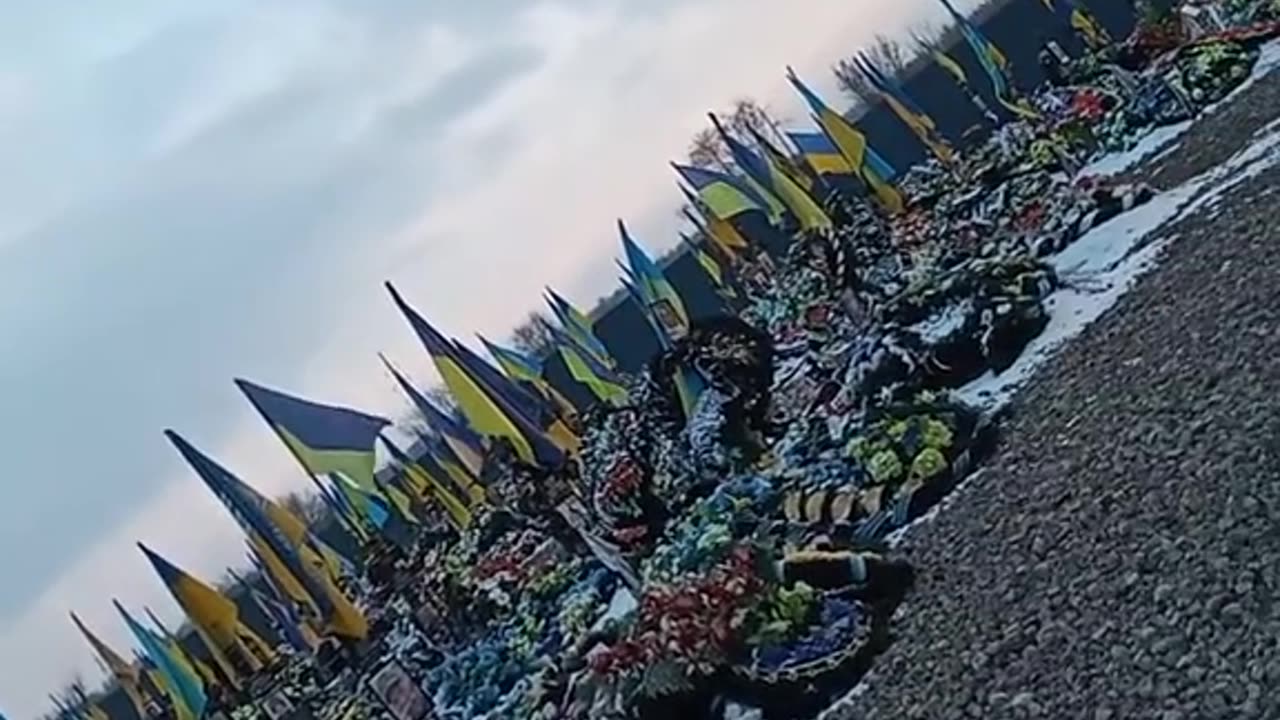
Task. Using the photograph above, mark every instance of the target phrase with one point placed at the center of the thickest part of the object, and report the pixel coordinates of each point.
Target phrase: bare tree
(307, 505)
(532, 337)
(707, 150)
(889, 55)
(853, 83)
(749, 115)
(886, 54)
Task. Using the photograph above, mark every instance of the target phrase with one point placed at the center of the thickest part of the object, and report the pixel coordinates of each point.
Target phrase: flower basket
(799, 677)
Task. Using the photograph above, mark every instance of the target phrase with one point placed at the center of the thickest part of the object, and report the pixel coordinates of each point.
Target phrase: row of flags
(509, 401)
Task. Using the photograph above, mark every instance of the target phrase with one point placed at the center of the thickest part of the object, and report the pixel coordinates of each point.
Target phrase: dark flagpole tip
(395, 294)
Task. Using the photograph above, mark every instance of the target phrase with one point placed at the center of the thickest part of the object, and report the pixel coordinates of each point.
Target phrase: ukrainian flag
(454, 468)
(581, 370)
(908, 111)
(461, 485)
(372, 506)
(786, 163)
(324, 438)
(722, 232)
(527, 372)
(125, 675)
(207, 674)
(851, 143)
(773, 179)
(185, 689)
(462, 440)
(533, 408)
(433, 486)
(350, 522)
(580, 327)
(538, 410)
(725, 196)
(256, 514)
(822, 154)
(215, 618)
(516, 365)
(282, 579)
(663, 302)
(486, 411)
(714, 272)
(995, 64)
(292, 630)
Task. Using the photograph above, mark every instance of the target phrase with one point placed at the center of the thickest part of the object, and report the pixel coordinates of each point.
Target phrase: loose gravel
(1212, 140)
(1118, 557)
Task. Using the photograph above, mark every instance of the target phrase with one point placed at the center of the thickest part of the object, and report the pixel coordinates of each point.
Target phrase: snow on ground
(1103, 264)
(1161, 141)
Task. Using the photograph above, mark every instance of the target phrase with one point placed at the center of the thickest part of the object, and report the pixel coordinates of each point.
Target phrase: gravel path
(1212, 140)
(1119, 557)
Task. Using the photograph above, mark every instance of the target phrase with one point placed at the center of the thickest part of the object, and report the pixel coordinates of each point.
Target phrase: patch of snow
(1158, 143)
(1114, 256)
(1104, 263)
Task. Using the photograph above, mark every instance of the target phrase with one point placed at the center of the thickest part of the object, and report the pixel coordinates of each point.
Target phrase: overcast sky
(199, 190)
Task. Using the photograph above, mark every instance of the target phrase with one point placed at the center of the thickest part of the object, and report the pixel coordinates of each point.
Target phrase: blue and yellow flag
(432, 483)
(454, 468)
(528, 372)
(279, 540)
(728, 240)
(580, 327)
(995, 64)
(282, 582)
(534, 408)
(541, 412)
(724, 195)
(663, 303)
(125, 675)
(207, 674)
(710, 267)
(324, 438)
(292, 631)
(772, 178)
(907, 110)
(215, 618)
(515, 364)
(486, 411)
(601, 381)
(185, 689)
(851, 143)
(465, 443)
(1080, 20)
(822, 154)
